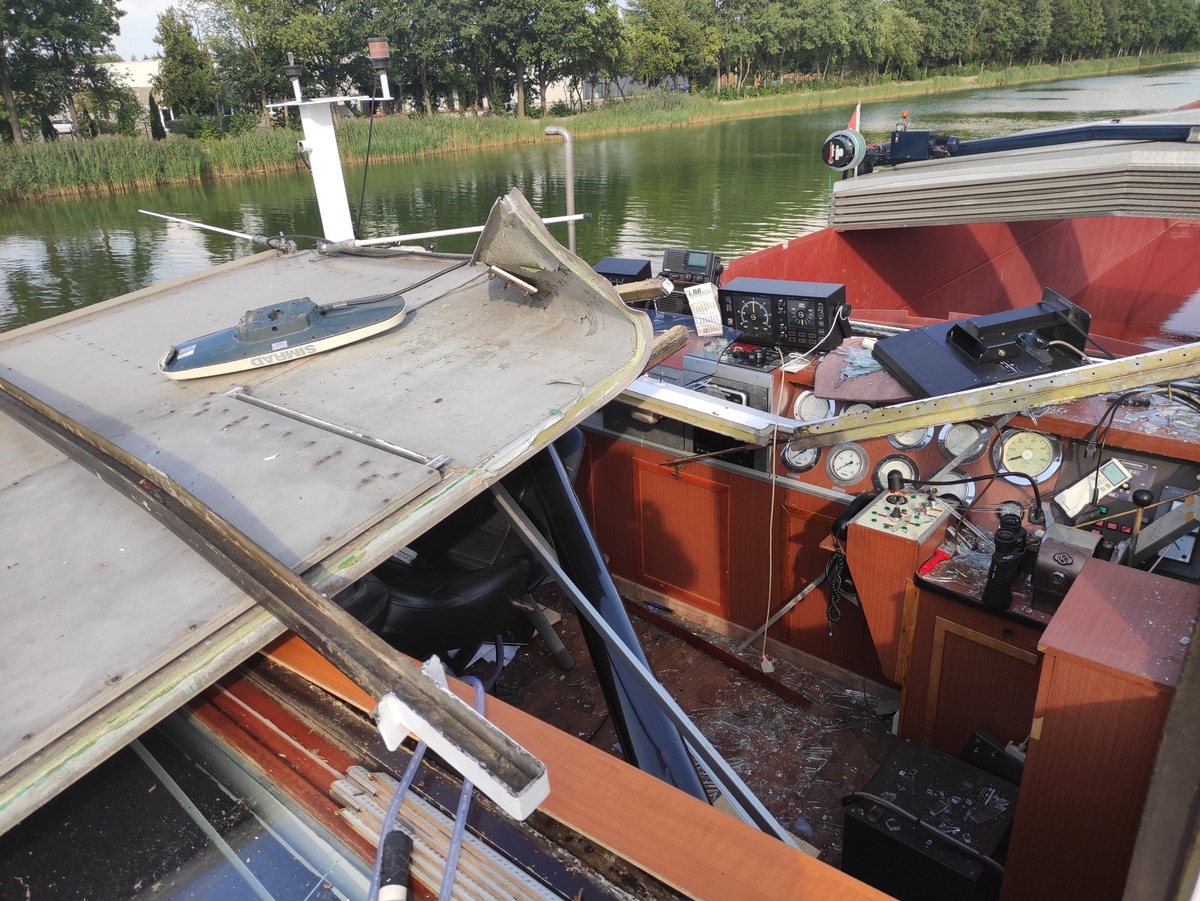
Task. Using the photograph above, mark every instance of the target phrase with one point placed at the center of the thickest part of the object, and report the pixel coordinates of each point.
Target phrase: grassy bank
(120, 164)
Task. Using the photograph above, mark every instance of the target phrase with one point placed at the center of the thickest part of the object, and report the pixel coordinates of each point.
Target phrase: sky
(138, 26)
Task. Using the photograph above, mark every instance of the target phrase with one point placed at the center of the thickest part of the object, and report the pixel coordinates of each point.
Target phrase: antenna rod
(277, 243)
(336, 246)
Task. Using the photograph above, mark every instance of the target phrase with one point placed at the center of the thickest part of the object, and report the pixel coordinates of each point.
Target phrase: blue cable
(460, 815)
(464, 799)
(389, 818)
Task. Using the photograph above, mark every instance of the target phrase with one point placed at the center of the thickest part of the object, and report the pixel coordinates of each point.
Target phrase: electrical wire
(1071, 347)
(390, 817)
(1104, 424)
(460, 814)
(377, 298)
(774, 405)
(362, 194)
(1066, 320)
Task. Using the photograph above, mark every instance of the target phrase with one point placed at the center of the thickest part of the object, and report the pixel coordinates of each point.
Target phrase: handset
(1074, 499)
(841, 525)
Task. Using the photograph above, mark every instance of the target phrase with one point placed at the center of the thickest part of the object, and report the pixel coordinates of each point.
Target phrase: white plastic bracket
(396, 720)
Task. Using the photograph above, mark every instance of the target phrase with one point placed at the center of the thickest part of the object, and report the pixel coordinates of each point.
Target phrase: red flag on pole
(853, 126)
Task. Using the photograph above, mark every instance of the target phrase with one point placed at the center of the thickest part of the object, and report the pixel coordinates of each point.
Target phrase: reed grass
(116, 164)
(105, 164)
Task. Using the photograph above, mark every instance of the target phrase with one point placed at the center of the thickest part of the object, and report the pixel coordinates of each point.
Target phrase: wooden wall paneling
(908, 629)
(882, 564)
(609, 486)
(1113, 657)
(802, 523)
(681, 521)
(584, 489)
(1084, 785)
(751, 552)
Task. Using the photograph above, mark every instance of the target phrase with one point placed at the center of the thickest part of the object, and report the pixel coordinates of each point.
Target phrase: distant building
(137, 75)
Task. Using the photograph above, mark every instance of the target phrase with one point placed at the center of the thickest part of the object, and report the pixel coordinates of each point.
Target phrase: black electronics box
(622, 270)
(969, 353)
(896, 855)
(783, 313)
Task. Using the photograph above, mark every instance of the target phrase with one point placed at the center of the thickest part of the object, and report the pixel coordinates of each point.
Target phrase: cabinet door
(977, 681)
(966, 669)
(682, 526)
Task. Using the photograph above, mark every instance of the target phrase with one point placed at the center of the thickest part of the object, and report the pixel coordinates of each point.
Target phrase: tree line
(228, 55)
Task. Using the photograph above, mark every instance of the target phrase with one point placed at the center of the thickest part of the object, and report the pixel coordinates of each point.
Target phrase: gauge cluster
(978, 466)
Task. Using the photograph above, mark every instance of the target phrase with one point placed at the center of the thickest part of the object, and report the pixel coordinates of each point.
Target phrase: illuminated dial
(1032, 453)
(807, 407)
(958, 437)
(798, 460)
(912, 439)
(802, 315)
(896, 463)
(961, 495)
(847, 463)
(857, 408)
(755, 318)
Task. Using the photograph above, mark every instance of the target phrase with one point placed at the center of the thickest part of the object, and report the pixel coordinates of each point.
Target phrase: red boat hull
(1139, 278)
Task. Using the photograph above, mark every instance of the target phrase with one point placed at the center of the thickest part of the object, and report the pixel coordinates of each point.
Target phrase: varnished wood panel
(682, 524)
(882, 564)
(803, 523)
(1084, 785)
(609, 490)
(1126, 620)
(981, 674)
(976, 682)
(1113, 655)
(765, 557)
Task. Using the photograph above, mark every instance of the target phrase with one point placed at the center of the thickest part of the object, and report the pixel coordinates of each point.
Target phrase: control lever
(1142, 498)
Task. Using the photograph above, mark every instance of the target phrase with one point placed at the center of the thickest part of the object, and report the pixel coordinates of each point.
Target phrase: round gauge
(1032, 453)
(962, 495)
(912, 439)
(847, 463)
(895, 463)
(857, 408)
(797, 460)
(807, 407)
(957, 437)
(755, 317)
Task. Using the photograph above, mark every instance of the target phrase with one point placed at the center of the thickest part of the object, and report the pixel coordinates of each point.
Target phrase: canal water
(731, 187)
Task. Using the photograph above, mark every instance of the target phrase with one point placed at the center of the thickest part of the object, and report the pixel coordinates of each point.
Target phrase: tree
(425, 36)
(899, 41)
(50, 50)
(157, 132)
(603, 54)
(249, 49)
(508, 27)
(186, 79)
(659, 34)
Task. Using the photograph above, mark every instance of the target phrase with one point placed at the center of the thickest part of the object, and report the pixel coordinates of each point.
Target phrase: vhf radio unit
(795, 315)
(686, 268)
